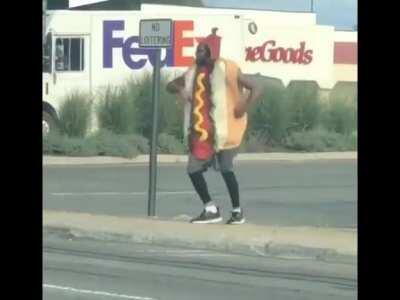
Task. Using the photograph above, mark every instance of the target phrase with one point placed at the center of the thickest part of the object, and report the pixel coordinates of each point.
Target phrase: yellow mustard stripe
(199, 105)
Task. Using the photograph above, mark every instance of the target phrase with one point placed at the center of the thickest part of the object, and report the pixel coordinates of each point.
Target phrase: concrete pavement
(164, 158)
(277, 241)
(319, 193)
(84, 268)
(304, 242)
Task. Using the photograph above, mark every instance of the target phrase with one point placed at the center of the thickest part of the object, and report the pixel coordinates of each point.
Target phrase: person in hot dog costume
(215, 122)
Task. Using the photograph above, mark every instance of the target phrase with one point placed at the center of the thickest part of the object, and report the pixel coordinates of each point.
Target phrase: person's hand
(184, 95)
(245, 101)
(245, 96)
(243, 104)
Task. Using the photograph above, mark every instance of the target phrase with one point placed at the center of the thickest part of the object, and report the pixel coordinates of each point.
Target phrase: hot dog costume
(209, 121)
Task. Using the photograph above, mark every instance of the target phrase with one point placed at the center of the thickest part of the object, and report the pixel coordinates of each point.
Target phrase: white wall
(270, 17)
(318, 39)
(346, 72)
(67, 22)
(346, 36)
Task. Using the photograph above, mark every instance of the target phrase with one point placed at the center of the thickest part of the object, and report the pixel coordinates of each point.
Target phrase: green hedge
(170, 116)
(169, 144)
(102, 143)
(303, 106)
(268, 118)
(115, 110)
(75, 114)
(340, 113)
(106, 143)
(321, 140)
(285, 119)
(128, 109)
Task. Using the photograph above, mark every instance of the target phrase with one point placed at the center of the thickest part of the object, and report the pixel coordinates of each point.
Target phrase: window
(70, 54)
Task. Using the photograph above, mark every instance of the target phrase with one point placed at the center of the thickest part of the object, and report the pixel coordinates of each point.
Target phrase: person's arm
(256, 91)
(177, 86)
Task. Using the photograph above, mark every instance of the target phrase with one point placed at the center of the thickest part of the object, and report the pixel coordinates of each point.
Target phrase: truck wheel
(48, 124)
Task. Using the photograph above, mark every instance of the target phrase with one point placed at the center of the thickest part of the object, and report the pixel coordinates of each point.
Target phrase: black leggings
(201, 188)
(233, 187)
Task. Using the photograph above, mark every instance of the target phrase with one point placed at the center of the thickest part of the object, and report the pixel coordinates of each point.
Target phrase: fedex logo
(132, 55)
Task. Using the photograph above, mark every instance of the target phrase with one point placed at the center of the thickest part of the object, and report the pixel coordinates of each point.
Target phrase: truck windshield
(47, 54)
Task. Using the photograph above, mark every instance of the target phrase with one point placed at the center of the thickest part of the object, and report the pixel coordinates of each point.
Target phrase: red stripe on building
(345, 53)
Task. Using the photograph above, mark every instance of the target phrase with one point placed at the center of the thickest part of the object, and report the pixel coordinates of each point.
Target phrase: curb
(166, 158)
(327, 244)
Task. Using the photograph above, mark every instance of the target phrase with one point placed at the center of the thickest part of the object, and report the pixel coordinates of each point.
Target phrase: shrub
(303, 106)
(253, 143)
(79, 147)
(115, 110)
(340, 113)
(340, 117)
(170, 116)
(53, 144)
(102, 143)
(75, 114)
(129, 109)
(347, 91)
(352, 140)
(269, 117)
(139, 142)
(109, 144)
(319, 140)
(169, 144)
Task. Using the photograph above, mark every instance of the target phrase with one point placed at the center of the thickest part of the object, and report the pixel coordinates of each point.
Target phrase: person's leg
(233, 188)
(225, 160)
(195, 169)
(200, 185)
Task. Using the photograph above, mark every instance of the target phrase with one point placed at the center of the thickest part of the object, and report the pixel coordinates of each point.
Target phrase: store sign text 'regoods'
(269, 52)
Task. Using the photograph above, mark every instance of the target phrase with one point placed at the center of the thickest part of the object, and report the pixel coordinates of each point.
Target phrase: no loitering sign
(155, 33)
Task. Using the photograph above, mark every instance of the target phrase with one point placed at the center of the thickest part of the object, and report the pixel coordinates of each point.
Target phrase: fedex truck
(87, 50)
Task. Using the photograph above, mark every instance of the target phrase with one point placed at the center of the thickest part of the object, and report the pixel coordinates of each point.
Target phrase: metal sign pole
(154, 136)
(155, 34)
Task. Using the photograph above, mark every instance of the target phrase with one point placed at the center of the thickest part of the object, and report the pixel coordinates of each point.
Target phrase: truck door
(71, 66)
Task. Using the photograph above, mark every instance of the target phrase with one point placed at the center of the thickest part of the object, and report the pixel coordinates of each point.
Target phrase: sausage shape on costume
(225, 95)
(199, 105)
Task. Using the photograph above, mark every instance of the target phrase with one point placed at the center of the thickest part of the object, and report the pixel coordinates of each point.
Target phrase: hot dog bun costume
(209, 120)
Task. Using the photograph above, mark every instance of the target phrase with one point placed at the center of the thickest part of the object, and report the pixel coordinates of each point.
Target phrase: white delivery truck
(87, 50)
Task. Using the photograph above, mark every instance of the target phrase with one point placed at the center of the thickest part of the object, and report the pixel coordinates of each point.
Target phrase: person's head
(203, 54)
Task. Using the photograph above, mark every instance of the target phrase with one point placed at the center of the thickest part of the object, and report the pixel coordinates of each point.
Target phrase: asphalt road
(317, 193)
(89, 269)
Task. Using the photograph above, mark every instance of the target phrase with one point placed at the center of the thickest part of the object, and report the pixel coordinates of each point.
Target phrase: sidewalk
(163, 158)
(294, 242)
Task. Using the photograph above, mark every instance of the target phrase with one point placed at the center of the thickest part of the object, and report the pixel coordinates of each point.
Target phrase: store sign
(269, 52)
(136, 57)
